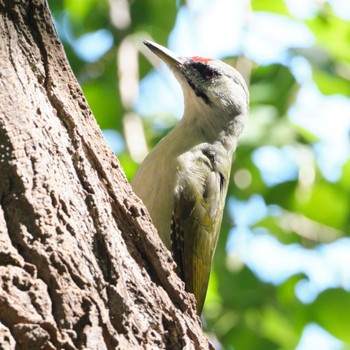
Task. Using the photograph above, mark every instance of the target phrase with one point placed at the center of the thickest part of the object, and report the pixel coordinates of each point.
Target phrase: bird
(183, 181)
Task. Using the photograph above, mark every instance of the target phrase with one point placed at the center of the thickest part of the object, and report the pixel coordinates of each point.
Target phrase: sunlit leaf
(344, 181)
(324, 204)
(80, 7)
(332, 33)
(129, 166)
(274, 6)
(331, 310)
(306, 136)
(104, 104)
(329, 83)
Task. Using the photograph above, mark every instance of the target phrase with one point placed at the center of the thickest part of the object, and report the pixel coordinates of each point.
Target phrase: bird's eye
(205, 70)
(209, 73)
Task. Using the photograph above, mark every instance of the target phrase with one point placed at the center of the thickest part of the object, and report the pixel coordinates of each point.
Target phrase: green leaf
(287, 188)
(274, 6)
(273, 225)
(80, 8)
(325, 204)
(129, 166)
(306, 136)
(345, 178)
(332, 33)
(286, 293)
(329, 83)
(103, 102)
(273, 85)
(279, 328)
(245, 338)
(331, 310)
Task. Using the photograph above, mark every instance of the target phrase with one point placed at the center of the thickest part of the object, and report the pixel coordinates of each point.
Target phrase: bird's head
(211, 87)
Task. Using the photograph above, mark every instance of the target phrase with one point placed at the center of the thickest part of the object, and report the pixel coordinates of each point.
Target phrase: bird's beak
(169, 57)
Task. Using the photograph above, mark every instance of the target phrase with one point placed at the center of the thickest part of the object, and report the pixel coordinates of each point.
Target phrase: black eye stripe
(204, 70)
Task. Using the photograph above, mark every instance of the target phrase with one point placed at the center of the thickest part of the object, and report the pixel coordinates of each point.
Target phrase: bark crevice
(81, 265)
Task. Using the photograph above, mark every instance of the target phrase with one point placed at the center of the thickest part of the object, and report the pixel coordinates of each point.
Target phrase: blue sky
(324, 267)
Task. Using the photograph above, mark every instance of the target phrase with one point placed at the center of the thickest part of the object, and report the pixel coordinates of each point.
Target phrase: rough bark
(81, 266)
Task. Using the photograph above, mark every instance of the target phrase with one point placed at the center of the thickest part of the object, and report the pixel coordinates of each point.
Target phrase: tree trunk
(81, 266)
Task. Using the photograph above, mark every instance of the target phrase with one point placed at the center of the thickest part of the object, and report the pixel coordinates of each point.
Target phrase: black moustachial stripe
(206, 73)
(198, 91)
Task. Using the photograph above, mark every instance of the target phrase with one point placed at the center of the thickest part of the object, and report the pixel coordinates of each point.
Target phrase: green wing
(196, 226)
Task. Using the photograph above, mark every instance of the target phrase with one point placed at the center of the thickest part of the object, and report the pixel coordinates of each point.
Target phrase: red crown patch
(201, 59)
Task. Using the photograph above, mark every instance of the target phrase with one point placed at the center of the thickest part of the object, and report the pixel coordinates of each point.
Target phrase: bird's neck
(212, 128)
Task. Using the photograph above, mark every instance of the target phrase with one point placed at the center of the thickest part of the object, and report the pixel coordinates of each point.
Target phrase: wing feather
(196, 224)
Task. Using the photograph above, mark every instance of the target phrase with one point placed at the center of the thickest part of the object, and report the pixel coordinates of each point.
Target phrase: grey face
(215, 83)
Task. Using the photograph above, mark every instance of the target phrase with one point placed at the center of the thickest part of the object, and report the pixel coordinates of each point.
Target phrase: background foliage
(278, 280)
